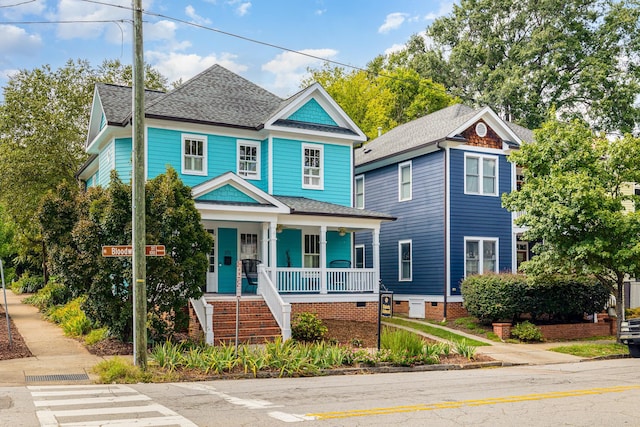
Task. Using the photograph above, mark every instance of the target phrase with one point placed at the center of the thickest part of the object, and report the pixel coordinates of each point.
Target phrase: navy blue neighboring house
(442, 176)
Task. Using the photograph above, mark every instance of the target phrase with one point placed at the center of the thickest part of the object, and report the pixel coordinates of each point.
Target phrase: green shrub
(465, 350)
(96, 335)
(401, 340)
(71, 318)
(119, 370)
(632, 313)
(27, 284)
(307, 327)
(526, 331)
(492, 297)
(52, 294)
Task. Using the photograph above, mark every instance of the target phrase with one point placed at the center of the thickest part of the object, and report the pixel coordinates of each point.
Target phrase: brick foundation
(433, 311)
(339, 310)
(565, 331)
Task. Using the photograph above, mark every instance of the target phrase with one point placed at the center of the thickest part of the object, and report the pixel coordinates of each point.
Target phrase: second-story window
(359, 192)
(312, 174)
(481, 175)
(249, 159)
(194, 155)
(404, 181)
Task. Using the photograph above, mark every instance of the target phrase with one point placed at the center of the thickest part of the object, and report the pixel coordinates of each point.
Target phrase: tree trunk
(45, 270)
(619, 305)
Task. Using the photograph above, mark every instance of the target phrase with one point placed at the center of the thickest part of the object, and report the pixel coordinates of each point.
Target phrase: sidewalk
(56, 358)
(513, 354)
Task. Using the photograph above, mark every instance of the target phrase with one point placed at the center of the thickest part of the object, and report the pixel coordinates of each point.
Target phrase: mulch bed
(18, 349)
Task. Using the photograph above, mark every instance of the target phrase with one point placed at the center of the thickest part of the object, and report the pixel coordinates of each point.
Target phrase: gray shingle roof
(304, 206)
(424, 131)
(116, 101)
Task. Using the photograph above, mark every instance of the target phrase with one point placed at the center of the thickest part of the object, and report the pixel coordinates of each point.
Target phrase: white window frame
(356, 248)
(356, 200)
(481, 241)
(320, 185)
(401, 166)
(201, 138)
(400, 261)
(248, 174)
(481, 158)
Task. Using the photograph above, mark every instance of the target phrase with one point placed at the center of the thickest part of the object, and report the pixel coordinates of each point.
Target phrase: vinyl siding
(227, 193)
(287, 171)
(420, 220)
(106, 160)
(123, 159)
(478, 216)
(289, 248)
(338, 247)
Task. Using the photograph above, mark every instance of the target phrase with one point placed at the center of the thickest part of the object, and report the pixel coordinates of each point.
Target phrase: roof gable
(312, 112)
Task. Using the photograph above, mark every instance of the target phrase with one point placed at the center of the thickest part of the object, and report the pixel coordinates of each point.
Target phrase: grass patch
(435, 331)
(592, 350)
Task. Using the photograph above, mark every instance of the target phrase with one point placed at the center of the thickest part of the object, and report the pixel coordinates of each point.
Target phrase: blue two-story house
(272, 180)
(442, 176)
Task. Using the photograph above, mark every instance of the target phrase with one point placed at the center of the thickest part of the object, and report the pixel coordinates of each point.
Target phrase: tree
(381, 98)
(43, 125)
(572, 198)
(78, 224)
(524, 57)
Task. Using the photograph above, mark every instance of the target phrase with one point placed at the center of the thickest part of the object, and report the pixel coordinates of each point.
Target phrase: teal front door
(227, 257)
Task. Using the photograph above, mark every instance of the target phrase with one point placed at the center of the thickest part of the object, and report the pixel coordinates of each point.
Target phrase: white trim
(481, 129)
(481, 241)
(355, 194)
(400, 167)
(330, 106)
(447, 255)
(493, 121)
(479, 150)
(242, 185)
(427, 298)
(320, 148)
(481, 159)
(249, 143)
(205, 154)
(400, 243)
(270, 165)
(364, 255)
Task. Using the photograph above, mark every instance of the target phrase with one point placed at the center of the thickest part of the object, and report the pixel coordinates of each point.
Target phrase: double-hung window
(312, 170)
(404, 181)
(359, 192)
(311, 251)
(481, 175)
(481, 255)
(405, 260)
(249, 159)
(194, 155)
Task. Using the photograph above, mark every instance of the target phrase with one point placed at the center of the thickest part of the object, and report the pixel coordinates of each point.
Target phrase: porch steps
(257, 324)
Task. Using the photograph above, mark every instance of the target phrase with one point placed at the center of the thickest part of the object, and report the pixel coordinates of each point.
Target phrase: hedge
(493, 297)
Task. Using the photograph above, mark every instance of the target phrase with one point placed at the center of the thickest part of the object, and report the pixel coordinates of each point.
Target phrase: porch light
(279, 228)
(342, 231)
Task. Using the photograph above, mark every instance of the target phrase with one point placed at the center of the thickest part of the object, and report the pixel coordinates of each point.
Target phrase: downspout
(445, 287)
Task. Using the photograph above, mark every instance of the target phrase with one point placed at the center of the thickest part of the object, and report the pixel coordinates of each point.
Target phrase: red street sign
(127, 250)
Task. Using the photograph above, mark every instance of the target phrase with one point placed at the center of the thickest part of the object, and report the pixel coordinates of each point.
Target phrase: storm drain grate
(57, 377)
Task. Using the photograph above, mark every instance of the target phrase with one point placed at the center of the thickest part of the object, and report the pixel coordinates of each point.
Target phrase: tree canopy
(523, 57)
(573, 202)
(381, 98)
(43, 125)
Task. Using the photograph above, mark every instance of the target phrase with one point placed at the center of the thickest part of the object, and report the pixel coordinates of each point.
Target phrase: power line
(17, 4)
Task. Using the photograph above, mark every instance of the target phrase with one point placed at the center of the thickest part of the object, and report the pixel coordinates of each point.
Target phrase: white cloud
(71, 10)
(290, 68)
(394, 48)
(8, 73)
(161, 30)
(392, 22)
(320, 11)
(243, 9)
(16, 12)
(445, 9)
(195, 18)
(184, 66)
(16, 40)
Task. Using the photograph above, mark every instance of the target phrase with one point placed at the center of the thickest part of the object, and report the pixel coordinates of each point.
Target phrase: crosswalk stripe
(75, 392)
(110, 411)
(157, 421)
(92, 400)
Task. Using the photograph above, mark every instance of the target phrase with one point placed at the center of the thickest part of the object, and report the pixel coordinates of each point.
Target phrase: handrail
(204, 312)
(280, 309)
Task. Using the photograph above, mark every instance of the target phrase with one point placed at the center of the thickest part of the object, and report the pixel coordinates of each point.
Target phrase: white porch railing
(204, 312)
(281, 310)
(307, 280)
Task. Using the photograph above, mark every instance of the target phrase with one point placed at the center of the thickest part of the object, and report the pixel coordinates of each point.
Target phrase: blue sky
(348, 31)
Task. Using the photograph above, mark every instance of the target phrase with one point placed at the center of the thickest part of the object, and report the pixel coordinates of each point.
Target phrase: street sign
(127, 250)
(386, 304)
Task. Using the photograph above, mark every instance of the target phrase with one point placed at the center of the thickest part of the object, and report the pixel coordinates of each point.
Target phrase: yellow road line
(469, 403)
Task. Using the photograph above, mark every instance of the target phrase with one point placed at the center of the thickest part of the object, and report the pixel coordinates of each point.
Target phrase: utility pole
(138, 198)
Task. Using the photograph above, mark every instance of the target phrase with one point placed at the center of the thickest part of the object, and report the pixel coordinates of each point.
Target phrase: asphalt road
(598, 393)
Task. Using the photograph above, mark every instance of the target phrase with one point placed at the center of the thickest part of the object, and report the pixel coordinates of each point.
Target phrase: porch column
(376, 259)
(265, 244)
(273, 256)
(323, 259)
